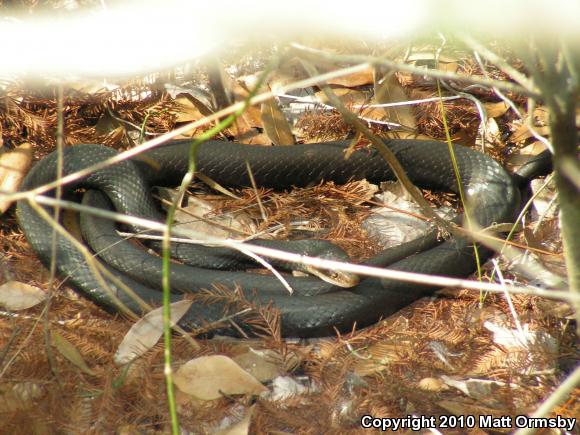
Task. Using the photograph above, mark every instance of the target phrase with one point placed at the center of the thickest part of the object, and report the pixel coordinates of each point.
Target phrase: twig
(13, 196)
(56, 216)
(508, 297)
(357, 59)
(385, 152)
(501, 63)
(321, 263)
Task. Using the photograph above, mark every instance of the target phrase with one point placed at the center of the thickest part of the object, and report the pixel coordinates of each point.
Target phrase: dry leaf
(485, 391)
(558, 309)
(494, 110)
(521, 340)
(492, 133)
(528, 351)
(351, 98)
(541, 116)
(275, 124)
(144, 334)
(16, 295)
(523, 132)
(525, 154)
(14, 165)
(432, 384)
(186, 110)
(358, 78)
(70, 352)
(92, 87)
(106, 124)
(196, 216)
(70, 220)
(263, 365)
(240, 428)
(432, 60)
(290, 71)
(293, 71)
(388, 90)
(244, 128)
(211, 377)
(252, 114)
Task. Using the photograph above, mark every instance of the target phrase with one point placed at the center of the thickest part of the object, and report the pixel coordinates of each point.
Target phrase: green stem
(187, 179)
(457, 176)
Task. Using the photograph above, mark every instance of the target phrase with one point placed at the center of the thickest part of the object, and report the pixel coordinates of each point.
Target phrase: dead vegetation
(438, 356)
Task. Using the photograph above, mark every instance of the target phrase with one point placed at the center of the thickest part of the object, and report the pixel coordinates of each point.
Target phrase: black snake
(490, 190)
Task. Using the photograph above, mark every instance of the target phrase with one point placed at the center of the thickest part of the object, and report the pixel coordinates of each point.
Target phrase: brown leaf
(388, 90)
(494, 110)
(359, 78)
(485, 391)
(188, 109)
(525, 154)
(252, 114)
(558, 309)
(431, 60)
(15, 295)
(14, 165)
(523, 132)
(243, 132)
(541, 116)
(293, 71)
(264, 365)
(275, 124)
(244, 128)
(210, 377)
(144, 334)
(432, 384)
(348, 97)
(289, 72)
(70, 352)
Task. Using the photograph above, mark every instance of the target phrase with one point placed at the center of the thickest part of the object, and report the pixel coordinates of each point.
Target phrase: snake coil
(489, 189)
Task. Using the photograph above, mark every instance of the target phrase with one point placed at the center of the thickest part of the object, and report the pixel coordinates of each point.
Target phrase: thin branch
(319, 262)
(385, 152)
(446, 75)
(501, 63)
(181, 130)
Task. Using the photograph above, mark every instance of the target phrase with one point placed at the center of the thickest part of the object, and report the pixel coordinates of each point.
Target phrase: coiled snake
(313, 312)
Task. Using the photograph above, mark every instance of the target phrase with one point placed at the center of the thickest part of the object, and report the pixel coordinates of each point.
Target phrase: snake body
(316, 311)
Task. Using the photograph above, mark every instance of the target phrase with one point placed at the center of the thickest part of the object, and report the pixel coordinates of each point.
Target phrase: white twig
(508, 297)
(14, 196)
(323, 263)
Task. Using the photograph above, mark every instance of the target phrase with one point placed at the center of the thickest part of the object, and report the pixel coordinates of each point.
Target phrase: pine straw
(377, 373)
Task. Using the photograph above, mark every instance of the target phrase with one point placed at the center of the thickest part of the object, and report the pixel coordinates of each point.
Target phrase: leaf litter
(332, 382)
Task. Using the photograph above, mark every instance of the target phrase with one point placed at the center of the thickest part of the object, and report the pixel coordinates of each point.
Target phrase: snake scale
(491, 190)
